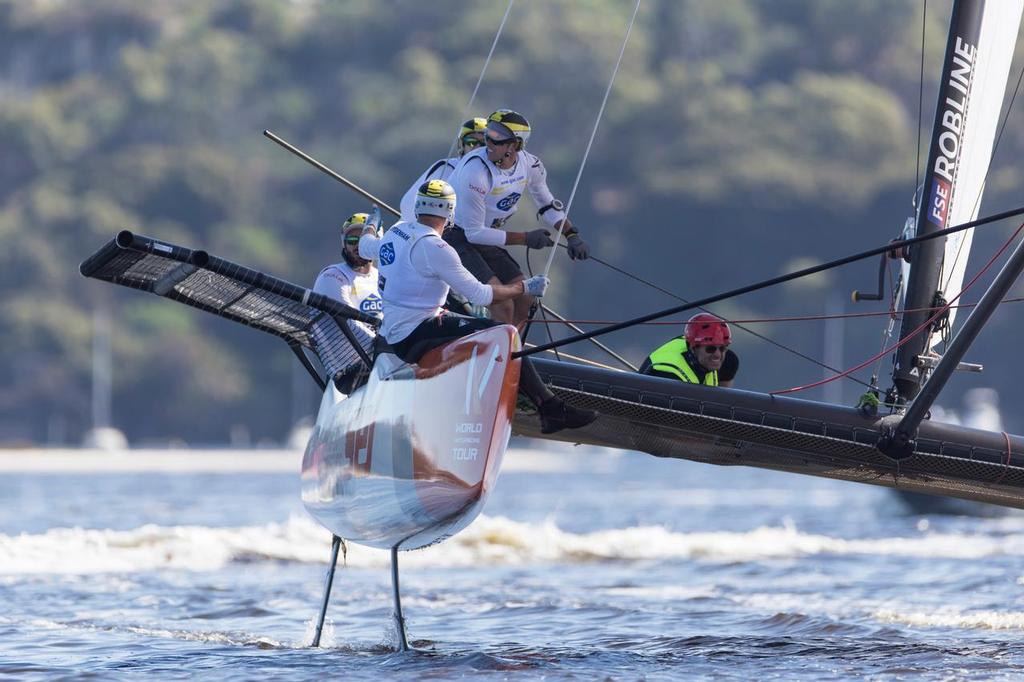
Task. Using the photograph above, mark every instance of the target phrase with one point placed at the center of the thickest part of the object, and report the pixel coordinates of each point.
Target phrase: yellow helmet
(507, 123)
(473, 125)
(436, 197)
(355, 220)
(471, 134)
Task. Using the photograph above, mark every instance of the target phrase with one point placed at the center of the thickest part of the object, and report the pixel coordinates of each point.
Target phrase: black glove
(578, 249)
(538, 239)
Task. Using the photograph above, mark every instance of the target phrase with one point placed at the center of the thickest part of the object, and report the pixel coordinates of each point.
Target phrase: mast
(979, 50)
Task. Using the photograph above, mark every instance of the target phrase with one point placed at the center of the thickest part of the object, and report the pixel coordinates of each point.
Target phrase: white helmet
(436, 197)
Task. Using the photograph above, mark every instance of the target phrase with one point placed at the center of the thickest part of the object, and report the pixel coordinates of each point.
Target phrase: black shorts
(484, 262)
(438, 331)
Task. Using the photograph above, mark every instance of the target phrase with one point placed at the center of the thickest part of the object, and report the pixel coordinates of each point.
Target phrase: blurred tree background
(743, 138)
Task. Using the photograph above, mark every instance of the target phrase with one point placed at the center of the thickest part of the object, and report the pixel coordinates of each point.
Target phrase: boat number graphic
(359, 449)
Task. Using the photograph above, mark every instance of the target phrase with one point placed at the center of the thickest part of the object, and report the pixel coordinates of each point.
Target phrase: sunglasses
(714, 349)
(499, 143)
(352, 239)
(470, 142)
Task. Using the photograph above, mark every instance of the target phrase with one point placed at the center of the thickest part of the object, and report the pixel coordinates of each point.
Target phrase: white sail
(980, 77)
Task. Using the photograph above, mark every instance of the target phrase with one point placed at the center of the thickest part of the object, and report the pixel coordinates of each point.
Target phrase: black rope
(538, 307)
(748, 330)
(773, 281)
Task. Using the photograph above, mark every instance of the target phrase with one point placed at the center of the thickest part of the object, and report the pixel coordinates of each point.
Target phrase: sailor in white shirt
(417, 267)
(489, 183)
(353, 282)
(471, 136)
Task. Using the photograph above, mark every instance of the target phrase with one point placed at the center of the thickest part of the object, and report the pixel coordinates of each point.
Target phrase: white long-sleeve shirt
(487, 196)
(417, 268)
(356, 290)
(439, 170)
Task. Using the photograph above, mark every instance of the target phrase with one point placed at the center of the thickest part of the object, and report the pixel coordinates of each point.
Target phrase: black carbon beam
(900, 442)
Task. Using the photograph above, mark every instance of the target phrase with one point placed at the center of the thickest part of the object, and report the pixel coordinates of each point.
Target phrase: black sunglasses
(352, 239)
(470, 141)
(499, 143)
(712, 349)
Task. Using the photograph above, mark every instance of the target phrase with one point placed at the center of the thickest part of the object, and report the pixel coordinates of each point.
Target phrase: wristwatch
(555, 204)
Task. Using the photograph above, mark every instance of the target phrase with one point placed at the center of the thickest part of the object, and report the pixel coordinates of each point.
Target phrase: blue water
(585, 565)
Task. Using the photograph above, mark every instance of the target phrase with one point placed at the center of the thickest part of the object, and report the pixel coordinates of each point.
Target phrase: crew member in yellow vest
(700, 356)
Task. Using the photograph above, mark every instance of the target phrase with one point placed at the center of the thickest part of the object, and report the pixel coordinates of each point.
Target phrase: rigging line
(343, 180)
(537, 305)
(925, 325)
(551, 337)
(476, 88)
(739, 326)
(561, 320)
(920, 108)
(577, 358)
(362, 192)
(593, 132)
(891, 312)
(606, 349)
(789, 318)
(776, 280)
(988, 168)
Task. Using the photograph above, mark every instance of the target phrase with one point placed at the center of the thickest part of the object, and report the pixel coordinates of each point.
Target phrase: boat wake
(491, 541)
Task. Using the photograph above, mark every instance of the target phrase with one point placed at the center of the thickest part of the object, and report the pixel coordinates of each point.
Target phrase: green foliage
(730, 123)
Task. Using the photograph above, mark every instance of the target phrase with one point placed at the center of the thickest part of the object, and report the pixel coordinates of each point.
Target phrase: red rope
(796, 318)
(914, 333)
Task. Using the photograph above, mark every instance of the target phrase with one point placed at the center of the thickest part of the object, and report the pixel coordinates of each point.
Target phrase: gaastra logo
(509, 202)
(961, 74)
(387, 253)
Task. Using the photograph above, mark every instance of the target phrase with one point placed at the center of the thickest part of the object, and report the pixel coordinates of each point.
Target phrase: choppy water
(585, 565)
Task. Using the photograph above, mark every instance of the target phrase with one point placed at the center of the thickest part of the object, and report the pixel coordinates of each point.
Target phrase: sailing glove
(578, 249)
(538, 239)
(536, 285)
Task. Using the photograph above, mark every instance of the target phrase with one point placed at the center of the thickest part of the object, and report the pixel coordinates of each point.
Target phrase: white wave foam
(979, 620)
(212, 637)
(489, 541)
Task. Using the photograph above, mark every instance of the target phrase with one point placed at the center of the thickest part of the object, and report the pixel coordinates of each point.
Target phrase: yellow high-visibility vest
(669, 359)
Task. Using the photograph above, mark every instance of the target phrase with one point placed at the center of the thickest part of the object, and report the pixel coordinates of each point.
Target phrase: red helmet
(704, 329)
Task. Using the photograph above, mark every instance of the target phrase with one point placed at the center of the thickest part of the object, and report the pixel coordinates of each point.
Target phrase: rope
(593, 132)
(914, 333)
(577, 358)
(739, 326)
(545, 311)
(776, 280)
(476, 88)
(791, 318)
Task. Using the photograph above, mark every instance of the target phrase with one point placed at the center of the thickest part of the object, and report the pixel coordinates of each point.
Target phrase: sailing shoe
(556, 415)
